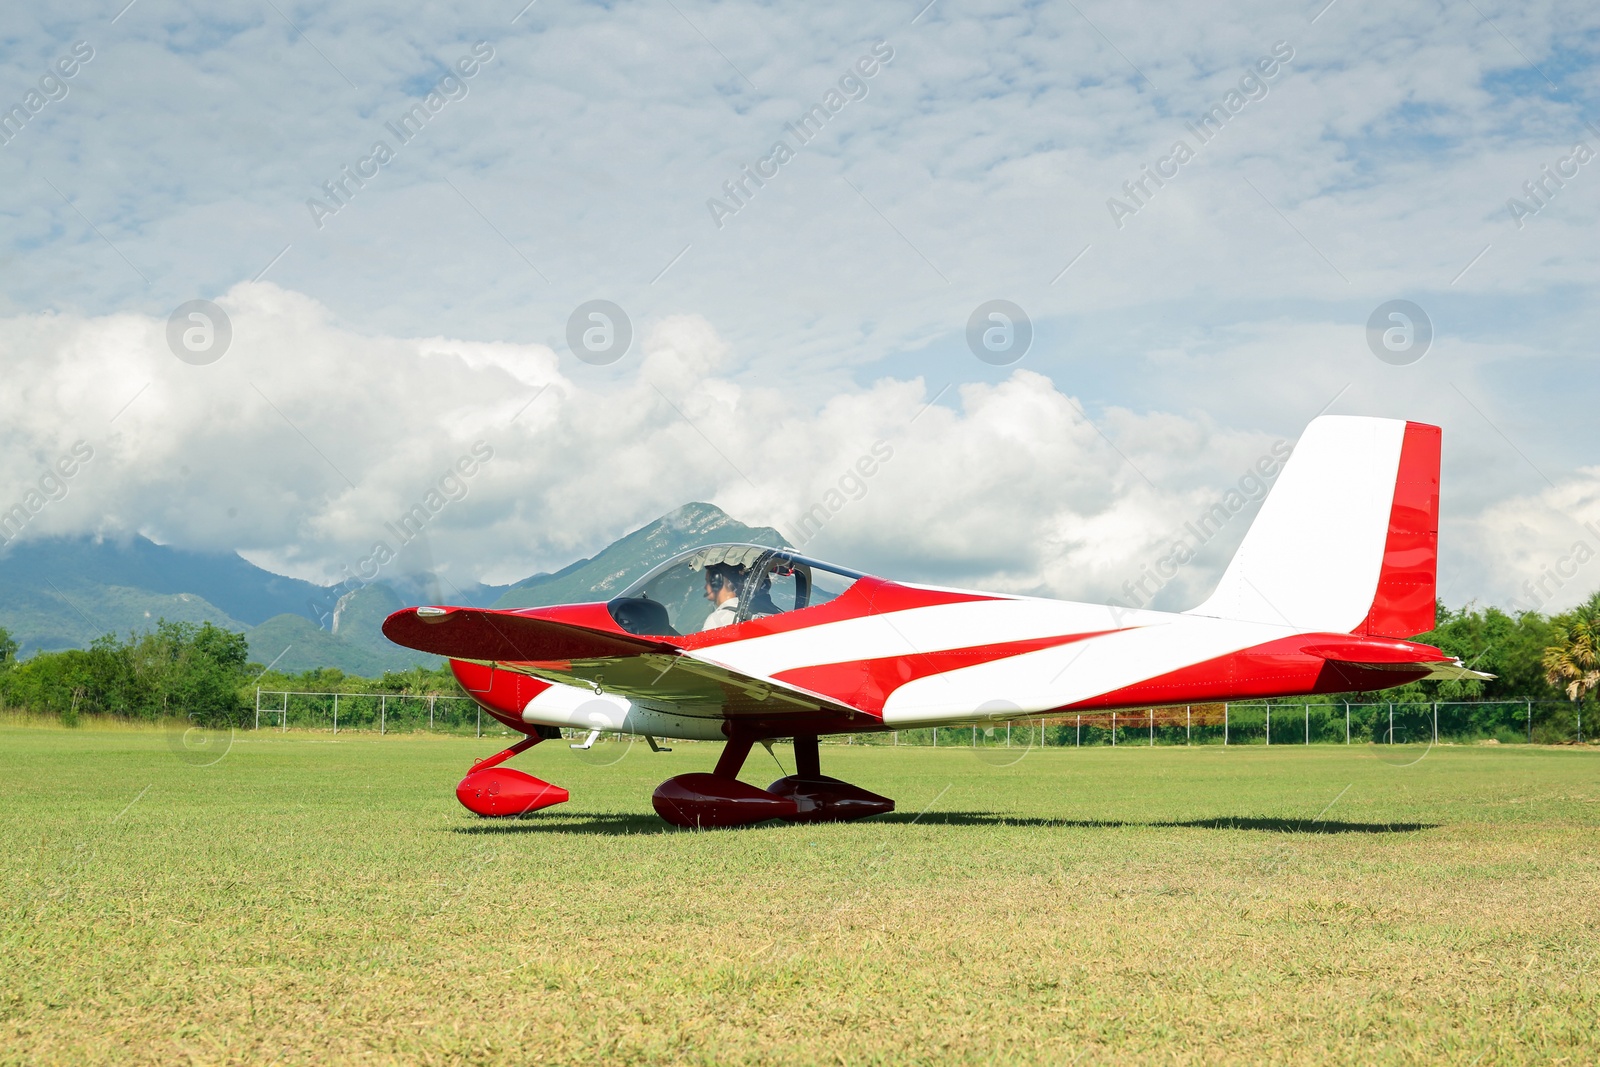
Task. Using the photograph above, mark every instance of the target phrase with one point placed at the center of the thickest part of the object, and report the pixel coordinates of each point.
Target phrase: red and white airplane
(746, 643)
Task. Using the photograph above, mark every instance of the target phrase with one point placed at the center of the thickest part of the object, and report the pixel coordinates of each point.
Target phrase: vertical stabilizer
(1347, 540)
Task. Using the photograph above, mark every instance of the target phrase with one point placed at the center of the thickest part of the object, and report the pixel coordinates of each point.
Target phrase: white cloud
(1542, 550)
(307, 443)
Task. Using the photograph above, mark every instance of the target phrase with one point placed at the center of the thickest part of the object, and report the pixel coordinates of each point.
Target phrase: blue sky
(771, 350)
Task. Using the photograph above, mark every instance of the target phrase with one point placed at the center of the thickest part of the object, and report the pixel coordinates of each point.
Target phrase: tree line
(176, 670)
(203, 672)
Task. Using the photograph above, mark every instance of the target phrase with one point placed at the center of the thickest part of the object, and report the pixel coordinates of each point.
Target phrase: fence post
(1347, 722)
(286, 712)
(1436, 722)
(336, 714)
(1113, 729)
(1308, 724)
(1269, 725)
(1530, 722)
(1152, 712)
(1188, 723)
(258, 707)
(1391, 722)
(383, 714)
(431, 698)
(1224, 724)
(1080, 729)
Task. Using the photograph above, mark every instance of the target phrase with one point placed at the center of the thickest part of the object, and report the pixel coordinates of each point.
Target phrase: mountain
(65, 592)
(609, 572)
(355, 643)
(61, 613)
(68, 591)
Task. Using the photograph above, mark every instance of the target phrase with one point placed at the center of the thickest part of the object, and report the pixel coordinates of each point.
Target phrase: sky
(398, 220)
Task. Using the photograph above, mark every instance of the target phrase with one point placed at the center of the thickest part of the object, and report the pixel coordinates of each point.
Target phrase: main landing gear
(490, 789)
(698, 801)
(706, 801)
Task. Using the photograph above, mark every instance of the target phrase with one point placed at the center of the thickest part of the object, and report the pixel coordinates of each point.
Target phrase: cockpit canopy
(752, 581)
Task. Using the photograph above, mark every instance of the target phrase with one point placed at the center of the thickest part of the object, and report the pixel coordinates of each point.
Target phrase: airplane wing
(651, 673)
(487, 635)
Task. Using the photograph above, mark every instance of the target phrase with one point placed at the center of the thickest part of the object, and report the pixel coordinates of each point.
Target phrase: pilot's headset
(720, 576)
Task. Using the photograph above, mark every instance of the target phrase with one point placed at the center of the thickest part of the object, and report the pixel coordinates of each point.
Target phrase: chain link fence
(1278, 723)
(1248, 723)
(381, 713)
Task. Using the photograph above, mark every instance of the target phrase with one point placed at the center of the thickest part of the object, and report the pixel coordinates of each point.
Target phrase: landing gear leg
(734, 753)
(807, 758)
(819, 798)
(500, 757)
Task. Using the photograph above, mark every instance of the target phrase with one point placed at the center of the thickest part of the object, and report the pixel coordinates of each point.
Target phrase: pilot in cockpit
(722, 589)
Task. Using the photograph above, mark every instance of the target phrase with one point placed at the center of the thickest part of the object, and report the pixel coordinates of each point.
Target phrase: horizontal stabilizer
(1404, 656)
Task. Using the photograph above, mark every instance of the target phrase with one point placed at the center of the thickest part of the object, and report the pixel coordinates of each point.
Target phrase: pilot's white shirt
(726, 615)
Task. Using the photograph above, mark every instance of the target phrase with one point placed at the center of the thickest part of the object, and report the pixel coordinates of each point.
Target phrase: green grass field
(311, 900)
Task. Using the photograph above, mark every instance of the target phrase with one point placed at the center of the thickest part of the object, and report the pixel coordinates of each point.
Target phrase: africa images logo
(850, 87)
(342, 188)
(52, 88)
(1254, 85)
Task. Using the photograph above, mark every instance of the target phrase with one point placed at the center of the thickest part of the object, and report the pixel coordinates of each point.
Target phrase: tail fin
(1348, 539)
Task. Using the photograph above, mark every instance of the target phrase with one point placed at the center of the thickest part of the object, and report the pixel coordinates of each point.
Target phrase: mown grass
(312, 900)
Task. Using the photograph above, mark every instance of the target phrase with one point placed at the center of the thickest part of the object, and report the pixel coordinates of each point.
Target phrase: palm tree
(1573, 663)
